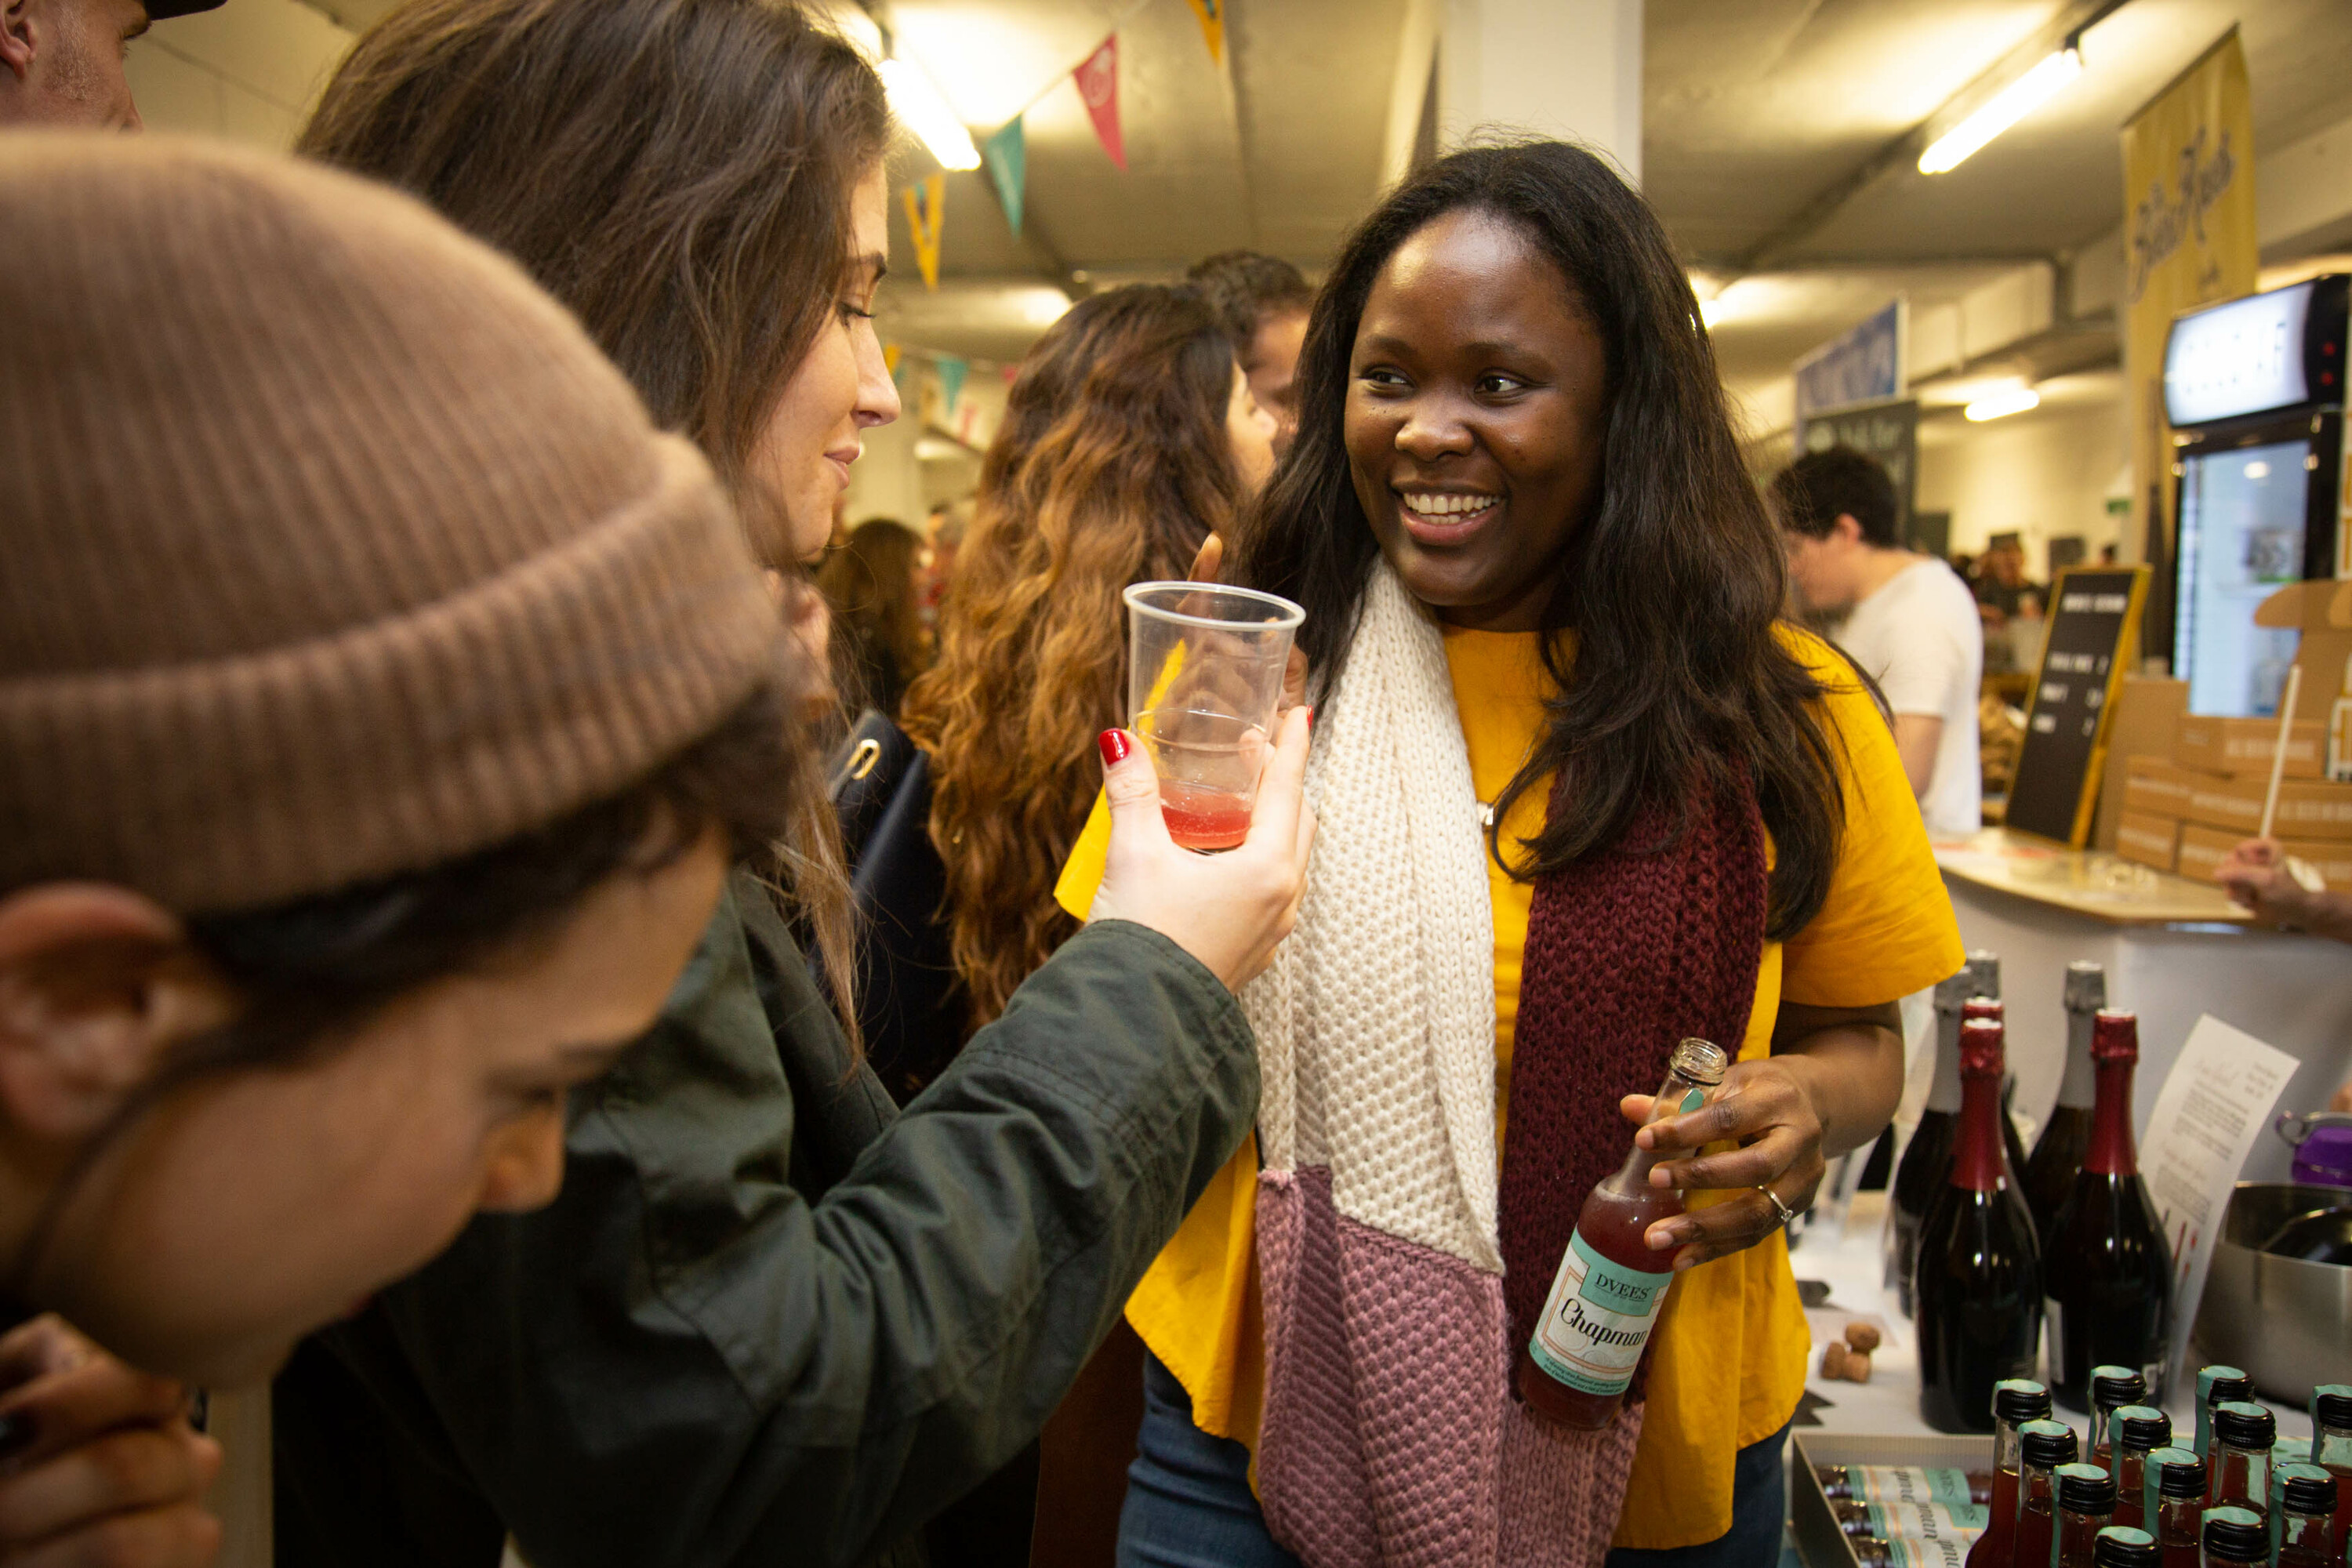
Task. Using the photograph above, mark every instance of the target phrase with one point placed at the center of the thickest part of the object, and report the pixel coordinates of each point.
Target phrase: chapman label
(1597, 1320)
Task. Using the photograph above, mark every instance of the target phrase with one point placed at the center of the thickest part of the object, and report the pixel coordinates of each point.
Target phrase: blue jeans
(1189, 1503)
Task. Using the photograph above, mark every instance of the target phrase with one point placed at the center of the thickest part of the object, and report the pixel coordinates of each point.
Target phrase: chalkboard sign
(2093, 623)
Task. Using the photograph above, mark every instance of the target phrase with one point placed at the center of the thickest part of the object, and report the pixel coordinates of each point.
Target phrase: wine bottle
(1606, 1296)
(2236, 1536)
(2058, 1152)
(2307, 1518)
(2139, 1430)
(2214, 1385)
(1978, 1280)
(1920, 1174)
(2086, 1505)
(2042, 1446)
(2015, 1402)
(2176, 1504)
(2331, 1448)
(2105, 1266)
(2124, 1546)
(2243, 1433)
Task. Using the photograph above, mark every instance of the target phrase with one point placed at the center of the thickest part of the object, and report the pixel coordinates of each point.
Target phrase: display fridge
(2254, 390)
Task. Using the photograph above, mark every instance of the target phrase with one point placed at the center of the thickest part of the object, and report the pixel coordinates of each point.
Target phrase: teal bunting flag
(1008, 164)
(952, 373)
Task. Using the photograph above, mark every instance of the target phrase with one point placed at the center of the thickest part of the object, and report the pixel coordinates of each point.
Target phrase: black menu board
(2094, 625)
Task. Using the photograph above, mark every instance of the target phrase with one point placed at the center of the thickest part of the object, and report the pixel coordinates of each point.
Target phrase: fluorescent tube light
(2006, 108)
(1999, 404)
(916, 100)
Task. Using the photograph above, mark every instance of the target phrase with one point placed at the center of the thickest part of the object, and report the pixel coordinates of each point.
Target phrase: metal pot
(2286, 1321)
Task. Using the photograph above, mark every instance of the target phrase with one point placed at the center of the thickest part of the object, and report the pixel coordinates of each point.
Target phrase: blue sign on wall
(1865, 366)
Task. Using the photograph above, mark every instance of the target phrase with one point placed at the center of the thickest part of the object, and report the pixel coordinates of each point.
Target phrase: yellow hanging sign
(1213, 26)
(926, 211)
(2189, 240)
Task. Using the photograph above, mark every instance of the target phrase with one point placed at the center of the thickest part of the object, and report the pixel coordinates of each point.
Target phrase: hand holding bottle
(1830, 1086)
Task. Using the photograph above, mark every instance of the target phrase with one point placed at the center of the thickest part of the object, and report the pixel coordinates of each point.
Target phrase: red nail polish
(1115, 747)
(1310, 719)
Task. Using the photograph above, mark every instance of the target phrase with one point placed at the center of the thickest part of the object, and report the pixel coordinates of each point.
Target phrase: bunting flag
(926, 211)
(952, 373)
(1008, 164)
(1097, 81)
(1213, 26)
(892, 357)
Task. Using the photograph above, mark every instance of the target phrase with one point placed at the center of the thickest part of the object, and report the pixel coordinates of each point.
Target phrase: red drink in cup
(1205, 677)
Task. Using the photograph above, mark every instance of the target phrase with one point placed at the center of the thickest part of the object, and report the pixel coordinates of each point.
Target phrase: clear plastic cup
(1204, 676)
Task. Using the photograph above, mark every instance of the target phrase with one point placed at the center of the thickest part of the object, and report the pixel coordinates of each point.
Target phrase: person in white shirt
(1905, 618)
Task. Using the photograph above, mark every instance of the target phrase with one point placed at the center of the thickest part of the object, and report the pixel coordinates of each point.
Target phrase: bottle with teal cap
(2139, 1430)
(2307, 1536)
(2241, 1460)
(2236, 1537)
(2086, 1505)
(2176, 1505)
(2042, 1446)
(2214, 1385)
(2120, 1546)
(2331, 1448)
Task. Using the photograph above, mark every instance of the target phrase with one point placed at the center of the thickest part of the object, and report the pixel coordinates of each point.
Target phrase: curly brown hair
(1112, 466)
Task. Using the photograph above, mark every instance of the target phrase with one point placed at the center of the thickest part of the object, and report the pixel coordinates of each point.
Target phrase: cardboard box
(2141, 724)
(2322, 611)
(1814, 1518)
(2244, 746)
(2307, 808)
(2202, 849)
(2159, 787)
(2150, 840)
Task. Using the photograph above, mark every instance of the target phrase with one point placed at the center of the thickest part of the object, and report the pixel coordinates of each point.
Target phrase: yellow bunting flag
(1213, 26)
(926, 209)
(891, 353)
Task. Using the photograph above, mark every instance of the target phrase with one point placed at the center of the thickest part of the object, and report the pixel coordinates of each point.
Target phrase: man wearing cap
(64, 58)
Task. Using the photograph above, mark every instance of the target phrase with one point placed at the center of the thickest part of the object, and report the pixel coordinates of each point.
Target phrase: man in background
(1904, 618)
(1263, 302)
(64, 59)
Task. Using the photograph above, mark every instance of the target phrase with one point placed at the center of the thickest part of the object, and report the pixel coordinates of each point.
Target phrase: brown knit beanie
(330, 546)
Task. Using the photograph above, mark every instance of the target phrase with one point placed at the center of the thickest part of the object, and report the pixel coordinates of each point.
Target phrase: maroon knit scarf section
(1627, 952)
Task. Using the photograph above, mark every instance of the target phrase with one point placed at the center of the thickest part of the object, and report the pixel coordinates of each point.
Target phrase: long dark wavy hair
(1675, 681)
(1112, 466)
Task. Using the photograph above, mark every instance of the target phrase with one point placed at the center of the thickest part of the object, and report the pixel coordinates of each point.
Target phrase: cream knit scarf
(1389, 1434)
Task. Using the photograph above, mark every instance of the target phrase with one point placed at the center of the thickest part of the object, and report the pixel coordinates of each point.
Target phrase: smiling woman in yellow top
(1563, 745)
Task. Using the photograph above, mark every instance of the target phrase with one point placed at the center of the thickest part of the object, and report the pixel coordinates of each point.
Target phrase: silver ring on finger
(1786, 1213)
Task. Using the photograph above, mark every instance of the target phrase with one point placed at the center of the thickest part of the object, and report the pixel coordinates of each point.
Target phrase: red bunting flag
(1097, 81)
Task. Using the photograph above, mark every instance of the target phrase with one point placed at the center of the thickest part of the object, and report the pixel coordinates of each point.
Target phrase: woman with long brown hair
(767, 1319)
(1129, 437)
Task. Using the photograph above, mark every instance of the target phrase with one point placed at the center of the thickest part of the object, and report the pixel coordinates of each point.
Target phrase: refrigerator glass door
(2241, 520)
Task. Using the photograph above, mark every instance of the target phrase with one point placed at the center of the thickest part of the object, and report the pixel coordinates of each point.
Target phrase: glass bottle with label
(2139, 1430)
(2175, 1502)
(2120, 1546)
(2105, 1265)
(2042, 1446)
(2243, 1433)
(2015, 1400)
(2237, 1537)
(1605, 1299)
(1872, 1552)
(1964, 1522)
(1920, 1174)
(1903, 1483)
(1979, 1280)
(2058, 1153)
(2331, 1448)
(2086, 1505)
(2307, 1518)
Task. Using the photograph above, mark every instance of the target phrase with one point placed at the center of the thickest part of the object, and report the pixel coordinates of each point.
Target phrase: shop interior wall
(2041, 474)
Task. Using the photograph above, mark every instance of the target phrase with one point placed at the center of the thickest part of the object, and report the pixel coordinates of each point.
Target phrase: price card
(2215, 1102)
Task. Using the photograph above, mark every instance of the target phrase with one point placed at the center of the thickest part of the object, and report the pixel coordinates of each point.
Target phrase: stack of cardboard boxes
(2184, 813)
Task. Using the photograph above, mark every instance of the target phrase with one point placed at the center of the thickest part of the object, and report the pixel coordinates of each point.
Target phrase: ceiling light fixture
(922, 109)
(1999, 404)
(2005, 109)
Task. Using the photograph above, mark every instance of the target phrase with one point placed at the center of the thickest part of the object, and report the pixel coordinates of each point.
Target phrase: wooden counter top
(2084, 881)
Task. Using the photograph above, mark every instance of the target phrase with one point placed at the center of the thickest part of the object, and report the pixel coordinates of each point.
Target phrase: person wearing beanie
(769, 1319)
(64, 58)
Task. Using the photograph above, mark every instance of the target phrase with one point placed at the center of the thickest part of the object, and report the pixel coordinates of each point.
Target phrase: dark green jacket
(766, 1321)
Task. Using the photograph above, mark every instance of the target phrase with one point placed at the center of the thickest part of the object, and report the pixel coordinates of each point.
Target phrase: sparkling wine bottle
(2058, 1152)
(2105, 1267)
(1920, 1174)
(1978, 1280)
(1605, 1299)
(2015, 1402)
